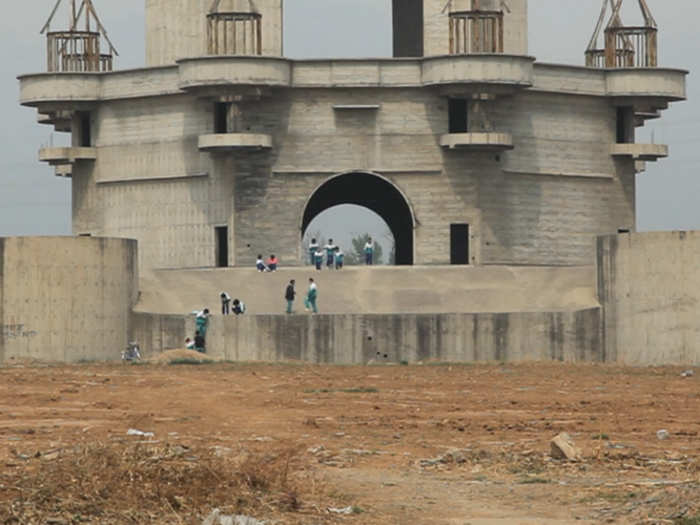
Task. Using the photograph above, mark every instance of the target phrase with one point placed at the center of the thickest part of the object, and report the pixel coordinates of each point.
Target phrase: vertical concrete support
(66, 299)
(649, 288)
(178, 28)
(2, 300)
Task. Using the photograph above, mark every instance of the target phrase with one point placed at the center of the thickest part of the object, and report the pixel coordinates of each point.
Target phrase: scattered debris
(451, 456)
(563, 447)
(344, 510)
(216, 518)
(663, 435)
(140, 433)
(688, 373)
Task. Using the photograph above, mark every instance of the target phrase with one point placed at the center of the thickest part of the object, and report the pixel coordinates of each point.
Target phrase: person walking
(311, 297)
(318, 258)
(225, 303)
(289, 295)
(313, 247)
(369, 251)
(330, 254)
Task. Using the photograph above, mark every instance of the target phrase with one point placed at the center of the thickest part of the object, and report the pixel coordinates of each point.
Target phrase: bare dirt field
(433, 444)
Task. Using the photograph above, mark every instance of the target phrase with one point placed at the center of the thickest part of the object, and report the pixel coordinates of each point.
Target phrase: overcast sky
(34, 202)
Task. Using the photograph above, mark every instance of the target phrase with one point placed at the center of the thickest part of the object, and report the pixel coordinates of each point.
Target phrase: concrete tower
(187, 28)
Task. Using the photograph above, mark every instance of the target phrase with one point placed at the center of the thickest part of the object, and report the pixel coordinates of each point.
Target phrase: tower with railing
(84, 46)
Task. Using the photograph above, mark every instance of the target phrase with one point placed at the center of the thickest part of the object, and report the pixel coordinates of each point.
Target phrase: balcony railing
(234, 33)
(631, 47)
(476, 32)
(76, 51)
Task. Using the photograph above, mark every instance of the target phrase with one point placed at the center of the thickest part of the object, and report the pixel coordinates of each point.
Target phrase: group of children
(236, 308)
(335, 257)
(269, 266)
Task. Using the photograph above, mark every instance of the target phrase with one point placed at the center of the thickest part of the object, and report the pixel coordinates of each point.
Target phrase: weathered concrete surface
(356, 339)
(649, 287)
(66, 299)
(379, 289)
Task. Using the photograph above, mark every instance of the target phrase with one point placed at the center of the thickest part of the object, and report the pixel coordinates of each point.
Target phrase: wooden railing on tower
(78, 50)
(623, 46)
(476, 32)
(234, 33)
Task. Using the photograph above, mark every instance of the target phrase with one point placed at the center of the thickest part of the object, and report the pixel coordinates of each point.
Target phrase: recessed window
(458, 109)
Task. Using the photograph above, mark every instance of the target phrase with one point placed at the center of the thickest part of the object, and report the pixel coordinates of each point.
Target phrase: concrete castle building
(471, 150)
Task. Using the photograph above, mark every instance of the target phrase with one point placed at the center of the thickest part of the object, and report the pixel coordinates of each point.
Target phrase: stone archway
(373, 192)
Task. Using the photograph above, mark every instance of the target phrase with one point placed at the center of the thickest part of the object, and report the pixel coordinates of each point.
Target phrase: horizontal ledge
(66, 155)
(154, 179)
(366, 107)
(474, 141)
(393, 171)
(553, 173)
(649, 152)
(233, 141)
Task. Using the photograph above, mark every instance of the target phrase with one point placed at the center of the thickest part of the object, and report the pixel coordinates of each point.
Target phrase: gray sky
(34, 202)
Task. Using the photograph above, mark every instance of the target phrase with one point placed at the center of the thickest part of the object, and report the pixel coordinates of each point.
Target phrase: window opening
(220, 117)
(458, 115)
(459, 244)
(85, 131)
(221, 233)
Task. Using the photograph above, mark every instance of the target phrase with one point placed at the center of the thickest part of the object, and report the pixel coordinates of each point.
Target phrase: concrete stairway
(380, 289)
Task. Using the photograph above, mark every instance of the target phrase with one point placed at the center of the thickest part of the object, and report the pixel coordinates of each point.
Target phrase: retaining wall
(66, 298)
(356, 339)
(649, 287)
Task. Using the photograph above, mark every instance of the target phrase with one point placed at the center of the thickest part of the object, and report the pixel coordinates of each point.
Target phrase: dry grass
(113, 483)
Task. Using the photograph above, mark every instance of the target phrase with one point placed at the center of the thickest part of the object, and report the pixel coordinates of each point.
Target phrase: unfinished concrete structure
(469, 149)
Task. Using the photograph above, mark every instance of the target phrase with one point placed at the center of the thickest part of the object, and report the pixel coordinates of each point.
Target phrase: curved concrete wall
(66, 298)
(357, 339)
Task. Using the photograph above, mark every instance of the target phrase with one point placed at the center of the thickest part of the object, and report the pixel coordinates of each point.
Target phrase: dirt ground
(430, 444)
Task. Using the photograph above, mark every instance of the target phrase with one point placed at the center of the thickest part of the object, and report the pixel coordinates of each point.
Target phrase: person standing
(225, 303)
(369, 252)
(330, 254)
(313, 248)
(339, 258)
(289, 295)
(311, 297)
(318, 258)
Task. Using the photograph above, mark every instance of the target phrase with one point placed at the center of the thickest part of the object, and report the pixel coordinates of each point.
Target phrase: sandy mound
(180, 354)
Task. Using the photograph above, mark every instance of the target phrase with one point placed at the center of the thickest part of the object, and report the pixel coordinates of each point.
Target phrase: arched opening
(372, 192)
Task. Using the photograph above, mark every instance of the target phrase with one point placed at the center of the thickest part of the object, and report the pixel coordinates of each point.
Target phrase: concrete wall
(357, 339)
(649, 286)
(542, 203)
(66, 299)
(178, 28)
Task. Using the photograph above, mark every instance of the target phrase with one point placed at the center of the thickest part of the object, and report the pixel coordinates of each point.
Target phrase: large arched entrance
(375, 193)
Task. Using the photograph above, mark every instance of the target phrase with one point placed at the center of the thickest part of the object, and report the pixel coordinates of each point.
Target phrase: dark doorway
(220, 117)
(625, 125)
(459, 244)
(85, 131)
(221, 233)
(374, 193)
(408, 28)
(458, 115)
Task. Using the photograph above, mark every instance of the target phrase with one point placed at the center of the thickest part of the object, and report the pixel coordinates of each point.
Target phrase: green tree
(357, 255)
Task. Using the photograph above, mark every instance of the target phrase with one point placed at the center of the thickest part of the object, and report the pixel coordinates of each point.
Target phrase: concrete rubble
(216, 518)
(563, 447)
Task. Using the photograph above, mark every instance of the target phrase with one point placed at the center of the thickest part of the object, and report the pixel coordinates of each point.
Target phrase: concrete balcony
(66, 155)
(222, 142)
(205, 73)
(59, 91)
(640, 152)
(496, 74)
(665, 85)
(477, 141)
